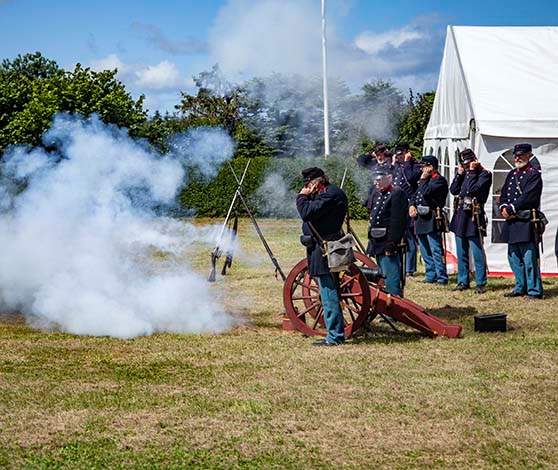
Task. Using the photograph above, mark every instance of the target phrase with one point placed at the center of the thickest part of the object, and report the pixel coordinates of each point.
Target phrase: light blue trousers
(333, 317)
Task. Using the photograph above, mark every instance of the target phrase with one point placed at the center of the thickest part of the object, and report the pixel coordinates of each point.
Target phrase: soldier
(471, 188)
(367, 160)
(388, 208)
(325, 206)
(383, 160)
(426, 209)
(406, 173)
(380, 157)
(521, 194)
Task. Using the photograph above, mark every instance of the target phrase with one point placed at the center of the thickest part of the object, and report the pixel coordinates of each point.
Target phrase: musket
(230, 251)
(536, 221)
(258, 231)
(216, 253)
(481, 231)
(402, 248)
(344, 176)
(442, 227)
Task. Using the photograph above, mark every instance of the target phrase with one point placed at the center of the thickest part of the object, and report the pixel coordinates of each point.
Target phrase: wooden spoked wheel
(301, 297)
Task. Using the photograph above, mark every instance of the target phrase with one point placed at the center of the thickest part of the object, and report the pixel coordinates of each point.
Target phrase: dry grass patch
(258, 397)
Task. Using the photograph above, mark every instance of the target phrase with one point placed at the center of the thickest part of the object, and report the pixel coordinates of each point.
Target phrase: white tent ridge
(498, 86)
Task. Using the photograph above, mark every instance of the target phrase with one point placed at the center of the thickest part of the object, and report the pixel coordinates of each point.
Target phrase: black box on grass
(491, 322)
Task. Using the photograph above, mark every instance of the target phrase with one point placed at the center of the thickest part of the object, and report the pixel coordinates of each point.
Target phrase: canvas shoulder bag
(339, 252)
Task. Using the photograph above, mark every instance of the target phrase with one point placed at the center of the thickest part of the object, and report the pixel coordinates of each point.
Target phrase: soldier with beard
(388, 208)
(520, 196)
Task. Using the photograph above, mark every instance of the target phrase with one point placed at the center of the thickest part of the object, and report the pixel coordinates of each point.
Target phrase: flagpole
(324, 79)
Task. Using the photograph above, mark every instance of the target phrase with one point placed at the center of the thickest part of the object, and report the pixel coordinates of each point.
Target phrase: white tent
(498, 86)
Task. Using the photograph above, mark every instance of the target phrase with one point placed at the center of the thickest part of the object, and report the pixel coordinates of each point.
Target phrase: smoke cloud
(275, 199)
(81, 247)
(257, 38)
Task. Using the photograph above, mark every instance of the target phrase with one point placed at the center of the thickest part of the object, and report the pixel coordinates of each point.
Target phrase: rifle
(442, 228)
(257, 227)
(344, 176)
(481, 230)
(230, 251)
(537, 221)
(402, 248)
(216, 253)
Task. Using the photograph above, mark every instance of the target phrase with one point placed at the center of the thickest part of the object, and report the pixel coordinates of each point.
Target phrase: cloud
(110, 62)
(154, 36)
(246, 40)
(374, 43)
(163, 76)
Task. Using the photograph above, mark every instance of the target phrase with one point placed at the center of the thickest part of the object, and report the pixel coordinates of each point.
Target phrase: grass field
(257, 397)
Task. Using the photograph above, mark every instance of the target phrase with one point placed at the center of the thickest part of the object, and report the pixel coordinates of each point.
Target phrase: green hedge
(211, 198)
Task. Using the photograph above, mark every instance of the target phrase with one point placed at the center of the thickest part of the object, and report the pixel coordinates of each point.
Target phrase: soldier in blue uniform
(388, 208)
(406, 173)
(471, 188)
(325, 206)
(426, 206)
(367, 160)
(379, 158)
(521, 194)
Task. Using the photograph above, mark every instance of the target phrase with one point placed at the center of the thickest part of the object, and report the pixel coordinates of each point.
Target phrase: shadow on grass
(383, 334)
(550, 293)
(507, 286)
(449, 312)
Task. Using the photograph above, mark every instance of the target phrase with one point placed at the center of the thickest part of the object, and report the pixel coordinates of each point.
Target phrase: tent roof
(505, 78)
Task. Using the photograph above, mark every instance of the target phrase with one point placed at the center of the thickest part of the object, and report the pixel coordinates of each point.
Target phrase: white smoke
(275, 199)
(81, 248)
(260, 37)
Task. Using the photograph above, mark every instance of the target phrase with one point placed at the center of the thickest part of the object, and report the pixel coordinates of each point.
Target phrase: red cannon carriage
(361, 302)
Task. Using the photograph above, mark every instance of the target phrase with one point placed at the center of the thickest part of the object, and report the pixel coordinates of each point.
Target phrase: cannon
(362, 296)
(361, 300)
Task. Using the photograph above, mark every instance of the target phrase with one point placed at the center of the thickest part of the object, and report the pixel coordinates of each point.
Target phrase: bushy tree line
(275, 116)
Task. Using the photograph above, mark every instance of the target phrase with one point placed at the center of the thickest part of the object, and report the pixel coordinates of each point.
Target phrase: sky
(158, 46)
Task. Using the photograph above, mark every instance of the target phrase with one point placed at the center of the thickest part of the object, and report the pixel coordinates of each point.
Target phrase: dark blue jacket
(474, 184)
(326, 211)
(367, 161)
(387, 210)
(522, 191)
(406, 176)
(432, 193)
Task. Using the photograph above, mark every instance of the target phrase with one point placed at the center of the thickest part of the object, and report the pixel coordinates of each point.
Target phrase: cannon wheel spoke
(303, 304)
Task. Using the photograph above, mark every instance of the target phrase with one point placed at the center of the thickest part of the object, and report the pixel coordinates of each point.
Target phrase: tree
(33, 89)
(287, 111)
(32, 66)
(218, 103)
(414, 122)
